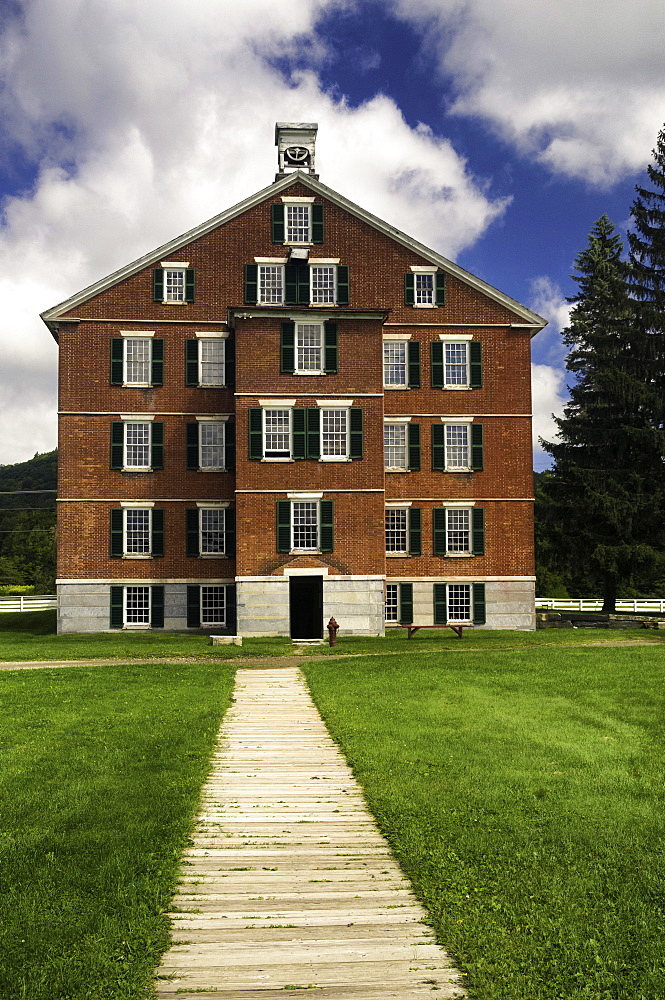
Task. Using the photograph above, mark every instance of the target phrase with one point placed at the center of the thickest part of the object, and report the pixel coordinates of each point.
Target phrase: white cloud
(579, 86)
(549, 399)
(145, 119)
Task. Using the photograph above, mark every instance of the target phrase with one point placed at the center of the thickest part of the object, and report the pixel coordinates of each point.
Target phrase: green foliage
(27, 523)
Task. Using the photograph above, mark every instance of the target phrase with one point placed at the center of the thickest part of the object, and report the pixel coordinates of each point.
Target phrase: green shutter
(477, 447)
(158, 284)
(479, 612)
(409, 288)
(191, 361)
(326, 527)
(292, 284)
(317, 223)
(251, 284)
(478, 531)
(298, 433)
(303, 275)
(437, 364)
(157, 375)
(157, 607)
(190, 284)
(313, 432)
(255, 424)
(117, 543)
(229, 362)
(440, 288)
(440, 604)
(415, 531)
(288, 348)
(283, 525)
(192, 446)
(231, 609)
(355, 432)
(330, 348)
(438, 447)
(413, 349)
(193, 606)
(277, 222)
(229, 446)
(342, 285)
(157, 445)
(117, 444)
(439, 523)
(475, 364)
(117, 351)
(157, 542)
(406, 603)
(414, 447)
(229, 531)
(117, 610)
(192, 532)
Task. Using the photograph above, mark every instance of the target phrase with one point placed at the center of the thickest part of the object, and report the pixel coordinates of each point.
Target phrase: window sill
(173, 302)
(211, 385)
(213, 555)
(398, 387)
(137, 385)
(305, 552)
(465, 471)
(216, 468)
(137, 555)
(298, 372)
(456, 388)
(133, 469)
(136, 628)
(277, 460)
(458, 555)
(397, 555)
(397, 470)
(335, 458)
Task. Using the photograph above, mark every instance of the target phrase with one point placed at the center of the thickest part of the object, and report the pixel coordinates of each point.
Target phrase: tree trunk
(609, 595)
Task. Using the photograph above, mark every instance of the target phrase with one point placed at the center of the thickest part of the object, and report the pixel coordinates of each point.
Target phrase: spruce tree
(602, 505)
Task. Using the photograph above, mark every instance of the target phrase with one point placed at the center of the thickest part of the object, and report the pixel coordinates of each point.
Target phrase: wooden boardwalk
(288, 885)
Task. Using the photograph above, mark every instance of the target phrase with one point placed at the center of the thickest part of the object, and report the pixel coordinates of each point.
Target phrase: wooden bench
(412, 629)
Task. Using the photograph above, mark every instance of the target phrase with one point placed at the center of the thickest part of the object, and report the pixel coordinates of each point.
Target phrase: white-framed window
(137, 445)
(424, 289)
(323, 284)
(395, 446)
(212, 528)
(298, 223)
(271, 284)
(309, 348)
(137, 360)
(334, 433)
(136, 606)
(212, 355)
(459, 602)
(276, 433)
(137, 531)
(211, 444)
(395, 369)
(305, 525)
(457, 447)
(174, 284)
(213, 605)
(392, 603)
(458, 530)
(456, 363)
(397, 534)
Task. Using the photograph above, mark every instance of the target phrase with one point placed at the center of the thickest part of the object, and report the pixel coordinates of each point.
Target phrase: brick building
(292, 412)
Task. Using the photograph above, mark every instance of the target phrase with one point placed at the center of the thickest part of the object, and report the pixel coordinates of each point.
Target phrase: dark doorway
(306, 606)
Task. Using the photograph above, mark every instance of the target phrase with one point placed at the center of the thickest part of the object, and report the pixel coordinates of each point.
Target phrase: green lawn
(101, 773)
(523, 793)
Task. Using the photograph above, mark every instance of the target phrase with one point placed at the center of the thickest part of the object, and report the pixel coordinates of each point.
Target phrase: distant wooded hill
(27, 522)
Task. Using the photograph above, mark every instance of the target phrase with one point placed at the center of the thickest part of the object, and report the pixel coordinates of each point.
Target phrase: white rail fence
(27, 602)
(595, 604)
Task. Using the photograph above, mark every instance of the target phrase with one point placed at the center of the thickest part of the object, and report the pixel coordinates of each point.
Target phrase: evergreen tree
(602, 503)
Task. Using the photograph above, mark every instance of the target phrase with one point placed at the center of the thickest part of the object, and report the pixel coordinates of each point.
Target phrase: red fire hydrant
(332, 632)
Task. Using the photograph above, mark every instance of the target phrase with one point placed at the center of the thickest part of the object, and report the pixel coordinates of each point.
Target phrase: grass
(102, 770)
(522, 791)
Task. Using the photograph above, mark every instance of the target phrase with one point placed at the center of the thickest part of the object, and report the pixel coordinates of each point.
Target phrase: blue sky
(496, 133)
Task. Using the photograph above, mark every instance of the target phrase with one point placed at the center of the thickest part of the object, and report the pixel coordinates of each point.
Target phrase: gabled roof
(530, 318)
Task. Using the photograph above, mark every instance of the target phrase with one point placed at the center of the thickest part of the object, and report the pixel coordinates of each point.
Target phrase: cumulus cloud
(549, 399)
(579, 86)
(142, 120)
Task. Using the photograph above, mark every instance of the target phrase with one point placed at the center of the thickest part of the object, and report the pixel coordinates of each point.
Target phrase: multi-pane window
(211, 444)
(137, 445)
(394, 438)
(137, 531)
(277, 433)
(457, 446)
(305, 525)
(309, 347)
(459, 602)
(213, 605)
(174, 285)
(334, 436)
(424, 289)
(392, 603)
(394, 363)
(458, 530)
(212, 526)
(271, 283)
(137, 360)
(211, 361)
(137, 606)
(298, 224)
(456, 369)
(396, 530)
(322, 280)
